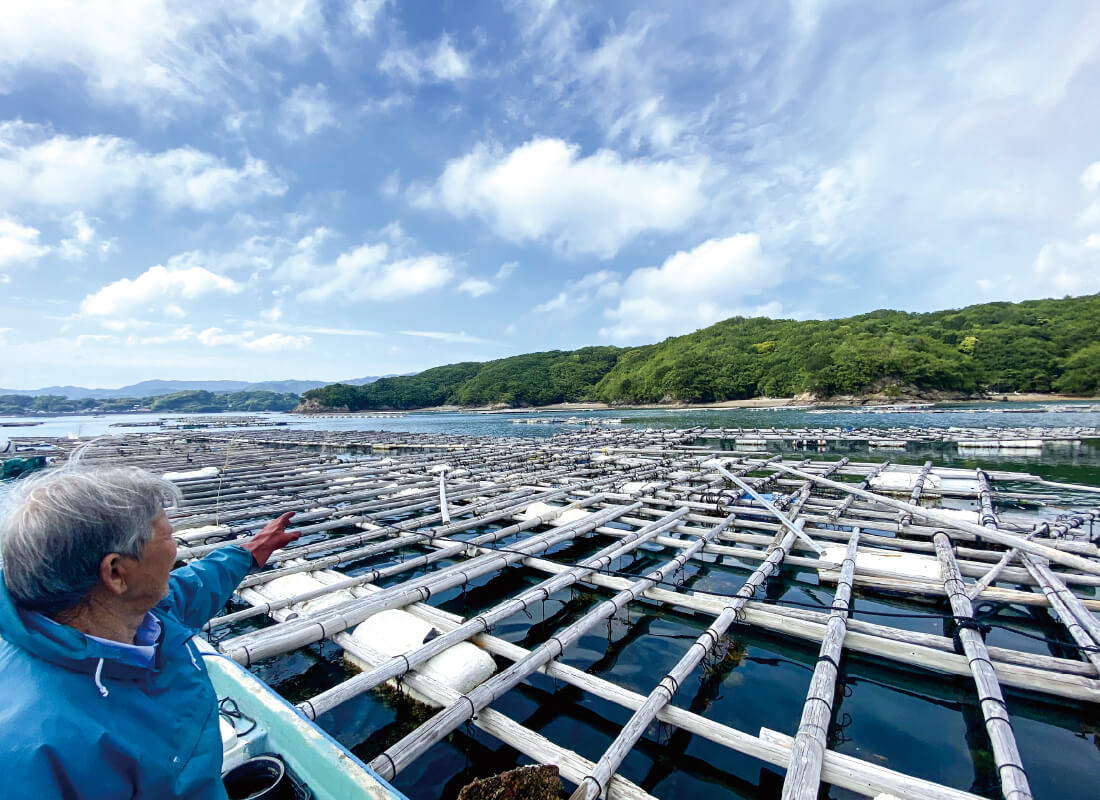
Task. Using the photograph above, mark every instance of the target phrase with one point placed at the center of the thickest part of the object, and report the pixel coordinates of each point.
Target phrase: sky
(326, 190)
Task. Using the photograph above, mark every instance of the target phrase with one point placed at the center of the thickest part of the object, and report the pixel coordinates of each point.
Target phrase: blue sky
(325, 190)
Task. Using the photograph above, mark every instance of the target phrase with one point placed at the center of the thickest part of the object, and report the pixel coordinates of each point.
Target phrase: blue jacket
(152, 736)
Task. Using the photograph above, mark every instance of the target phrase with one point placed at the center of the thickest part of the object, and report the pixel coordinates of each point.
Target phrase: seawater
(924, 724)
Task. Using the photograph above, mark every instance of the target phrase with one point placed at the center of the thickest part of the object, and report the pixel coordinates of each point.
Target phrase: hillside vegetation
(1034, 346)
(188, 401)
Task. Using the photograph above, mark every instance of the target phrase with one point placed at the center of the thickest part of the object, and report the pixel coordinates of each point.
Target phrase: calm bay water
(919, 723)
(1078, 465)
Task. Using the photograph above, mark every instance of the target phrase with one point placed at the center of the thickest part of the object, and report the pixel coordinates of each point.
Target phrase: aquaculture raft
(471, 510)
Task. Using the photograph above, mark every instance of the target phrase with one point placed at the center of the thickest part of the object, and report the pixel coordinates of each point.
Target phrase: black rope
(393, 765)
(227, 707)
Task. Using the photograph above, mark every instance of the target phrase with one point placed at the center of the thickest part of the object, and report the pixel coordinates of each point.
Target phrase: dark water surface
(920, 723)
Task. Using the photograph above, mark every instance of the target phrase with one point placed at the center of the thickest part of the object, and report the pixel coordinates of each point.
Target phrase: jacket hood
(62, 645)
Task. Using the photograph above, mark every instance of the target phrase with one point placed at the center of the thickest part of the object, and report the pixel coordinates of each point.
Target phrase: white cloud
(277, 341)
(545, 190)
(1090, 178)
(580, 294)
(370, 272)
(306, 111)
(391, 185)
(332, 331)
(83, 239)
(60, 171)
(237, 122)
(693, 289)
(256, 253)
(157, 55)
(476, 287)
(440, 64)
(248, 340)
(19, 244)
(447, 336)
(121, 325)
(1068, 268)
(157, 286)
(5, 278)
(363, 13)
(182, 334)
(304, 257)
(387, 104)
(93, 338)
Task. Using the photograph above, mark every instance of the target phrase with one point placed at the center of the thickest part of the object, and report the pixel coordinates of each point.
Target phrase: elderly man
(102, 692)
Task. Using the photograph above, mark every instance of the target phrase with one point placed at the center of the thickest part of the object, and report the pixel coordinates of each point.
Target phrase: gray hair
(56, 528)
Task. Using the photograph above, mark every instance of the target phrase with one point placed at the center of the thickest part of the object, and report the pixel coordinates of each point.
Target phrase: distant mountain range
(156, 388)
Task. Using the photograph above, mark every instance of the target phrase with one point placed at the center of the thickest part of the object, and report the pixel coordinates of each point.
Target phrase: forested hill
(1034, 346)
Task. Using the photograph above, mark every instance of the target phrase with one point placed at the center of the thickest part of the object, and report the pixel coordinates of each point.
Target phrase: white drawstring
(191, 653)
(98, 680)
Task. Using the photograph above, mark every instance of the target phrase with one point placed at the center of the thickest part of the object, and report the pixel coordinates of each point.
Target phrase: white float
(204, 472)
(904, 565)
(395, 632)
(550, 512)
(961, 514)
(201, 532)
(300, 583)
(635, 487)
(902, 481)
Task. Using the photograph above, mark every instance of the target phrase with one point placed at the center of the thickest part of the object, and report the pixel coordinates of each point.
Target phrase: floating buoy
(395, 632)
(902, 481)
(300, 583)
(904, 565)
(550, 512)
(204, 472)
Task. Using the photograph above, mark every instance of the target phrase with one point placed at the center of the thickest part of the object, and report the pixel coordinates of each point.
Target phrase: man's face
(148, 582)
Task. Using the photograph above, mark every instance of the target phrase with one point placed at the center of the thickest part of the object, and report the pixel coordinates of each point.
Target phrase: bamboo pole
(523, 739)
(291, 635)
(402, 753)
(841, 770)
(1024, 671)
(786, 523)
(1014, 783)
(399, 665)
(935, 517)
(1078, 620)
(836, 513)
(594, 783)
(450, 548)
(808, 751)
(906, 517)
(1080, 623)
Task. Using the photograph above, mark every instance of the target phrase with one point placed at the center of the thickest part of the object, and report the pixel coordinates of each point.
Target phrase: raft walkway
(472, 508)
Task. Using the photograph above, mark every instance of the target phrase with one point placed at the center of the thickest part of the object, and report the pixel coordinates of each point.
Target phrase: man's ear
(112, 573)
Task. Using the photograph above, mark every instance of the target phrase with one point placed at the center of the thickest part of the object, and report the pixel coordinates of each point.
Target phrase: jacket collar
(61, 644)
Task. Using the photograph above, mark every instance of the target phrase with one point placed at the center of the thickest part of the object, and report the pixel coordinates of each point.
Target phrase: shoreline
(793, 403)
